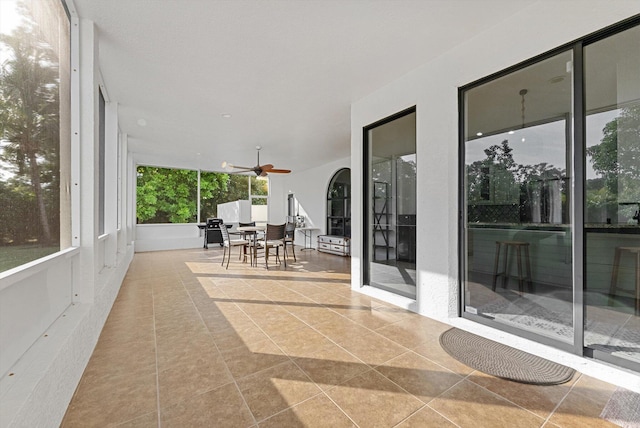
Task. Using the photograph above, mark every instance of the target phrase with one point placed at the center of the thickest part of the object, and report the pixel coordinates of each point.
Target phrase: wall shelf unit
(382, 218)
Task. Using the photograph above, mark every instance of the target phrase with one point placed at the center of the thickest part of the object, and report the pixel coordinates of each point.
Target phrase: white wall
(53, 309)
(433, 89)
(32, 297)
(310, 190)
(158, 237)
(235, 212)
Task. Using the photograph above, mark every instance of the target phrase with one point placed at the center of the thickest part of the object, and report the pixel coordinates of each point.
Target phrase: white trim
(75, 127)
(19, 273)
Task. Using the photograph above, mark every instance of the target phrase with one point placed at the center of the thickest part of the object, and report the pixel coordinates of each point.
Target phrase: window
(217, 188)
(166, 195)
(35, 131)
(339, 204)
(612, 196)
(551, 173)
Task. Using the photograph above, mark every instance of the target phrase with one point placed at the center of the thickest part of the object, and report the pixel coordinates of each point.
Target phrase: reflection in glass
(612, 200)
(391, 253)
(518, 268)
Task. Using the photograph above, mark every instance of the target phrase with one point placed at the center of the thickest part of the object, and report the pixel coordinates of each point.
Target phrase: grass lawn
(12, 256)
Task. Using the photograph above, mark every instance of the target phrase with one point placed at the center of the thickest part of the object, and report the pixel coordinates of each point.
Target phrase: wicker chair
(289, 238)
(228, 243)
(273, 238)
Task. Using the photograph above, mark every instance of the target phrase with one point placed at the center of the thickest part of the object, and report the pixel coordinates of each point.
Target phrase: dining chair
(227, 242)
(249, 236)
(273, 238)
(289, 238)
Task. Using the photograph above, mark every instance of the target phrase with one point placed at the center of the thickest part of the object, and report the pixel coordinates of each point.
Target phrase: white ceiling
(287, 71)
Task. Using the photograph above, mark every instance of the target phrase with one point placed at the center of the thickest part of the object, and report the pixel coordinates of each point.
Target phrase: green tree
(16, 201)
(170, 195)
(498, 180)
(166, 195)
(617, 160)
(494, 177)
(218, 188)
(29, 121)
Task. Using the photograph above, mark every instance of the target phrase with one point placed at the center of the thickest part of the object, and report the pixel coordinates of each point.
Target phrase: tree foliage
(230, 187)
(494, 177)
(170, 195)
(616, 159)
(499, 187)
(30, 138)
(166, 195)
(618, 154)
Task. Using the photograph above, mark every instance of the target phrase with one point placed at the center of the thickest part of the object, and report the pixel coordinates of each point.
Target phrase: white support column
(84, 290)
(198, 196)
(131, 198)
(111, 205)
(123, 193)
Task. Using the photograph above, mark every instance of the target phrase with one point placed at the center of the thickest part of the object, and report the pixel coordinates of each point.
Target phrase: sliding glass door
(550, 165)
(390, 196)
(612, 202)
(517, 194)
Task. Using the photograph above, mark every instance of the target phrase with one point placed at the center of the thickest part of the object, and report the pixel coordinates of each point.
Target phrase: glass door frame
(577, 207)
(576, 200)
(367, 218)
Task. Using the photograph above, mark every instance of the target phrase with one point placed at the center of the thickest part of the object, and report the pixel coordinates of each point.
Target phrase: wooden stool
(616, 267)
(517, 246)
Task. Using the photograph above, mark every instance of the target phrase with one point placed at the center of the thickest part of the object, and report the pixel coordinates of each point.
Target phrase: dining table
(253, 231)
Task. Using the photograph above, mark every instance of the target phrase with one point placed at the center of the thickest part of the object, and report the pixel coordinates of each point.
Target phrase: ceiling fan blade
(280, 171)
(270, 168)
(243, 167)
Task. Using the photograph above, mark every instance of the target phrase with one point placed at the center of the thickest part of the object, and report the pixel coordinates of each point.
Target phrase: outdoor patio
(190, 344)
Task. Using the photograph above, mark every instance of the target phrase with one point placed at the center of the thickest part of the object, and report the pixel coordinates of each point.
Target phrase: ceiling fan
(259, 170)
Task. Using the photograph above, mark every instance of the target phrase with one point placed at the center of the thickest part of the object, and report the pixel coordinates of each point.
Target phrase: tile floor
(190, 344)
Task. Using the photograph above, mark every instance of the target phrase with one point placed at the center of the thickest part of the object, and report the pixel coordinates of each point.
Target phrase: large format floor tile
(189, 343)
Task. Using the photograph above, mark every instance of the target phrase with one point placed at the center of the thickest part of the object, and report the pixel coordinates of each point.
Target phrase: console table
(332, 244)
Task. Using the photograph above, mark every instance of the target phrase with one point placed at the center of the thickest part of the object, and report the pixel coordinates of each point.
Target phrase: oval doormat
(501, 360)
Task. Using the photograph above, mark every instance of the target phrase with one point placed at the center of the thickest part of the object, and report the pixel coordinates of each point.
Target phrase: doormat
(623, 409)
(501, 360)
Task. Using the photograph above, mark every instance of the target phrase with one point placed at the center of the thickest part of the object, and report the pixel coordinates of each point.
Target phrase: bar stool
(517, 246)
(616, 266)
